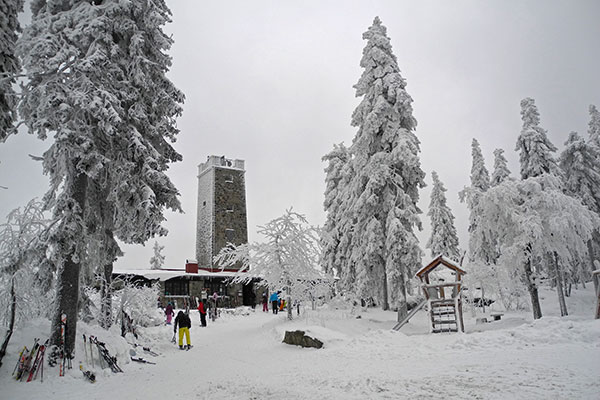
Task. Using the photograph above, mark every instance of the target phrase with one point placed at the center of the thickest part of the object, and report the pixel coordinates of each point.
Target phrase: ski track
(243, 358)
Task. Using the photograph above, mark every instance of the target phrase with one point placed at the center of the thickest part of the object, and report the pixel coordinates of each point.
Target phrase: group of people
(184, 323)
(276, 301)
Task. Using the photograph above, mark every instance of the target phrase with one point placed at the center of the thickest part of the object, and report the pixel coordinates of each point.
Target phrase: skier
(265, 302)
(274, 299)
(183, 322)
(202, 312)
(169, 313)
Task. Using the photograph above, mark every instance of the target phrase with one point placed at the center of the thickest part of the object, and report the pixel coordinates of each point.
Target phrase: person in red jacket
(202, 312)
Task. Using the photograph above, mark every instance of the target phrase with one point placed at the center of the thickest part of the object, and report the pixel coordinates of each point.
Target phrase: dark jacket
(182, 321)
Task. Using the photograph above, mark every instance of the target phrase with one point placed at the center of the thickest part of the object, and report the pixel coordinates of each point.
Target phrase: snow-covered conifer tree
(481, 246)
(157, 260)
(594, 126)
(580, 163)
(9, 63)
(98, 85)
(336, 180)
(443, 239)
(480, 177)
(501, 171)
(384, 190)
(287, 260)
(534, 147)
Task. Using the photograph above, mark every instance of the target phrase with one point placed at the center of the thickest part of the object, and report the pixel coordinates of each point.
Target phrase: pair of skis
(30, 362)
(105, 358)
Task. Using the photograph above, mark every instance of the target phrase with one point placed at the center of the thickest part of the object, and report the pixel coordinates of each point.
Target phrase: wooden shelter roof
(437, 261)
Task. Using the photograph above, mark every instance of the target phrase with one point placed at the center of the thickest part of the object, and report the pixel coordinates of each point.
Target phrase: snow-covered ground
(242, 357)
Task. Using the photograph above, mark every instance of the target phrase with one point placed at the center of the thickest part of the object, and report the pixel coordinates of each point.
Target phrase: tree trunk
(289, 307)
(385, 304)
(106, 318)
(531, 287)
(402, 306)
(67, 295)
(559, 286)
(11, 324)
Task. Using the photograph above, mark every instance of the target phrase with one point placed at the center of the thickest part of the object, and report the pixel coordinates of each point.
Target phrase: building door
(248, 296)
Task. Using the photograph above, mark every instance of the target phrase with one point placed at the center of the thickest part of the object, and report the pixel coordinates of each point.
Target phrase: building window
(229, 179)
(229, 233)
(204, 204)
(229, 209)
(177, 287)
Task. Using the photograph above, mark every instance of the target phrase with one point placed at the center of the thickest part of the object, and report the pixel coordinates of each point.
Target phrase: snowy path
(243, 358)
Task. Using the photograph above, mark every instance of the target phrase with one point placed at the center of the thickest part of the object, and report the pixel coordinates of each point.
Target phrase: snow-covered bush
(138, 302)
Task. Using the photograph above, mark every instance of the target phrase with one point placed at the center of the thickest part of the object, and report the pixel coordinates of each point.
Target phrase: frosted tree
(480, 177)
(501, 171)
(336, 180)
(535, 218)
(534, 147)
(481, 246)
(443, 239)
(157, 260)
(287, 259)
(382, 194)
(535, 156)
(580, 164)
(594, 126)
(98, 85)
(25, 276)
(9, 63)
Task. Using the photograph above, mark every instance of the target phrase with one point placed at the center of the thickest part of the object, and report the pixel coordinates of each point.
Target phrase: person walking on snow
(274, 299)
(183, 322)
(169, 313)
(202, 312)
(265, 302)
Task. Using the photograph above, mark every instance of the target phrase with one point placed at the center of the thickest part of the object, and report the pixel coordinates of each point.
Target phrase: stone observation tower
(221, 207)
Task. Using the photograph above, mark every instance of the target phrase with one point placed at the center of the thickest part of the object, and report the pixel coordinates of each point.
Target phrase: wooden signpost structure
(444, 299)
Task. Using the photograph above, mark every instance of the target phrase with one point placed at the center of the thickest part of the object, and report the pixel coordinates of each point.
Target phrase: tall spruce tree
(336, 179)
(480, 177)
(443, 239)
(384, 191)
(97, 83)
(501, 171)
(580, 163)
(9, 63)
(535, 156)
(481, 246)
(534, 147)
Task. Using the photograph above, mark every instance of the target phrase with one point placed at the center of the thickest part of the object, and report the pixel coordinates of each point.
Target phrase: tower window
(229, 209)
(229, 179)
(204, 204)
(229, 233)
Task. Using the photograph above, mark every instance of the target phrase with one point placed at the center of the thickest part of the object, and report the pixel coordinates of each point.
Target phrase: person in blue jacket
(274, 299)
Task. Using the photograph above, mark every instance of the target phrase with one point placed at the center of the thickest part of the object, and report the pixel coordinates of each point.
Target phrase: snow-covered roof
(164, 275)
(440, 260)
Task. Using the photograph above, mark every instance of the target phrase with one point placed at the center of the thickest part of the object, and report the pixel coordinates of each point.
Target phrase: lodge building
(221, 219)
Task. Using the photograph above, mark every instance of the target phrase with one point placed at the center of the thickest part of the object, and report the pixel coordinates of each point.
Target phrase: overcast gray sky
(271, 82)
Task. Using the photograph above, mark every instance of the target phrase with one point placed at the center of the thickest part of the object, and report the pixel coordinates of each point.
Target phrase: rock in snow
(299, 338)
